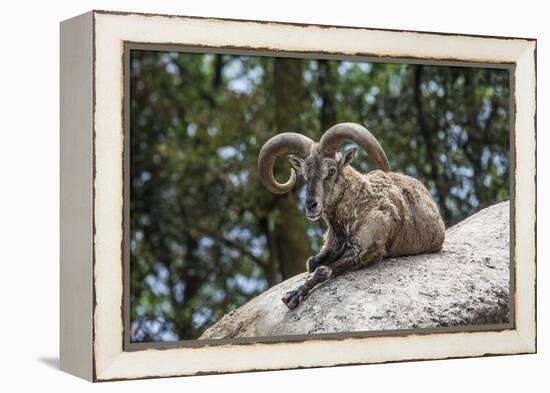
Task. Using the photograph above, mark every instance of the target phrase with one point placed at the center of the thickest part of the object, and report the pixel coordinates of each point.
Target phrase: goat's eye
(332, 171)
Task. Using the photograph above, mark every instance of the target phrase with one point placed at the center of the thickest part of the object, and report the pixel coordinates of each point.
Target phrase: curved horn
(285, 143)
(337, 134)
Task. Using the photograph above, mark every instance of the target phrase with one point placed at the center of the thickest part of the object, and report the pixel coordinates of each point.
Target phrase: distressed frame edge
(305, 24)
(526, 121)
(528, 340)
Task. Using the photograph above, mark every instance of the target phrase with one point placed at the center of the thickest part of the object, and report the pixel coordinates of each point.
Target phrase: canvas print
(291, 197)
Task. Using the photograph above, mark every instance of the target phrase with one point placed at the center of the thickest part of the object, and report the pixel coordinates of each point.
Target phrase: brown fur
(385, 212)
(369, 216)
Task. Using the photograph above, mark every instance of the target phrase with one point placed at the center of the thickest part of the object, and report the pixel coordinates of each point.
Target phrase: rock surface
(466, 283)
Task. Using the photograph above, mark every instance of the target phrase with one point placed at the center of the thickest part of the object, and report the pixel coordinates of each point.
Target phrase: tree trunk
(289, 232)
(325, 80)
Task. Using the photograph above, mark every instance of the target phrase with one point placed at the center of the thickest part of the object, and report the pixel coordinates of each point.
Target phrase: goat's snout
(313, 209)
(311, 204)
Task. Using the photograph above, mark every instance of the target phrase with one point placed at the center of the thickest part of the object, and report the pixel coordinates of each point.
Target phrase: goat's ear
(296, 163)
(347, 156)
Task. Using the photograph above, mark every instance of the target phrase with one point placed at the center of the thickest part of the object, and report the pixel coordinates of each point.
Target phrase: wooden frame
(92, 193)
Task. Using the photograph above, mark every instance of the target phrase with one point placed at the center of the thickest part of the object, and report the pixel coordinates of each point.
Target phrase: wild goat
(369, 216)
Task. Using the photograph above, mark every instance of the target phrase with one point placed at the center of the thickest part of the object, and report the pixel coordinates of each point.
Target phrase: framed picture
(245, 195)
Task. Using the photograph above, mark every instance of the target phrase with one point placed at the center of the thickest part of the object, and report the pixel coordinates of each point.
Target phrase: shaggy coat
(382, 214)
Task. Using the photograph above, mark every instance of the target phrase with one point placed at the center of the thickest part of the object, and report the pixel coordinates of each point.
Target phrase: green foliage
(205, 234)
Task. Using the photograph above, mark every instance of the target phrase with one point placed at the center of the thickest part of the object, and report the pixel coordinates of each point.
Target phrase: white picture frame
(92, 193)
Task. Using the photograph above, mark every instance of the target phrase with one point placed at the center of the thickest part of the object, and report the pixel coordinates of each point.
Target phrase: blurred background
(206, 236)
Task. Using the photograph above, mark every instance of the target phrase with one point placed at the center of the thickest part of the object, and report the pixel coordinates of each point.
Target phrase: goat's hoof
(311, 264)
(292, 299)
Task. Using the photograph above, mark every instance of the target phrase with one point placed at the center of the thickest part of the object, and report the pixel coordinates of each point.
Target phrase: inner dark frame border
(246, 51)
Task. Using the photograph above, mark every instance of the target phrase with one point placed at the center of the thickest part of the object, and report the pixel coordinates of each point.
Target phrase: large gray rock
(467, 283)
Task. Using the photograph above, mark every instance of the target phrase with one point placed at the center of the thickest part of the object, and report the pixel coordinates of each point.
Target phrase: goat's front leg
(328, 254)
(293, 298)
(322, 273)
(333, 249)
(352, 260)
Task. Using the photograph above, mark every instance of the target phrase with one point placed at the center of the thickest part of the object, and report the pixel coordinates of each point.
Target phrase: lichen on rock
(466, 283)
